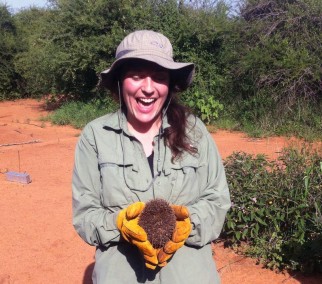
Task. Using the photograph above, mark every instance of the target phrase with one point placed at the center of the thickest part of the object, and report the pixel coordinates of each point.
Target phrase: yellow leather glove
(180, 234)
(127, 223)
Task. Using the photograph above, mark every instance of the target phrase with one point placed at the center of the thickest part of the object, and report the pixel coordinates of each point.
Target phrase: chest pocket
(117, 178)
(113, 188)
(185, 179)
(121, 179)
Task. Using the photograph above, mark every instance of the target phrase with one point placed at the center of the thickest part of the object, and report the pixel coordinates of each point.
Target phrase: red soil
(38, 242)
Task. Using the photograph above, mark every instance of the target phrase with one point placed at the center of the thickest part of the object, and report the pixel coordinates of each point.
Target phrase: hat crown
(145, 41)
(149, 46)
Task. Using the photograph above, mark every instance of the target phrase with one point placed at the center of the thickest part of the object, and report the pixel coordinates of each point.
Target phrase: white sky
(18, 4)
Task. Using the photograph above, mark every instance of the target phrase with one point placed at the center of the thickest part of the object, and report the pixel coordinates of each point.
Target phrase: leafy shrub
(272, 55)
(8, 50)
(276, 209)
(261, 66)
(64, 48)
(78, 113)
(206, 107)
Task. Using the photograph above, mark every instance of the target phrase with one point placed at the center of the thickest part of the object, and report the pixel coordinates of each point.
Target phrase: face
(145, 89)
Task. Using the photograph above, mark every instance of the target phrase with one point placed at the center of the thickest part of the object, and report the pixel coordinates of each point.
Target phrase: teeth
(147, 101)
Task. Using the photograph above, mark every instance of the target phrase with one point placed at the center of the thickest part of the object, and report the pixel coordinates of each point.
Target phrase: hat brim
(181, 73)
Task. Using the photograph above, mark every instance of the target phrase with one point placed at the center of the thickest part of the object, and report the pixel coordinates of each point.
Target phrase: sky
(16, 5)
(19, 4)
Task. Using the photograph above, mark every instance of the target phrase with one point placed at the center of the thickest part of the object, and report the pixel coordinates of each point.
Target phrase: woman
(150, 148)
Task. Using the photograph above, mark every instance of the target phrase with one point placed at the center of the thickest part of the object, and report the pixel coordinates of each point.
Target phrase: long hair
(176, 136)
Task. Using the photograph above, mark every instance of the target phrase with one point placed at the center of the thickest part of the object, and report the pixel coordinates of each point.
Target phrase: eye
(161, 77)
(135, 75)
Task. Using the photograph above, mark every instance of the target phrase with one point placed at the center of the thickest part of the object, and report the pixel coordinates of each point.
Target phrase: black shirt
(150, 161)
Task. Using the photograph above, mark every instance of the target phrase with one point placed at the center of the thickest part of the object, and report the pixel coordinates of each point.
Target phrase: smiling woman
(152, 148)
(145, 89)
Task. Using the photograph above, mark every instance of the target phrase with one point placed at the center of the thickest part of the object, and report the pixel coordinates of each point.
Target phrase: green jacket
(111, 172)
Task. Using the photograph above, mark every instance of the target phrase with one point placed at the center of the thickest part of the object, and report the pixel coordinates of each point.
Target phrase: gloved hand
(180, 234)
(127, 223)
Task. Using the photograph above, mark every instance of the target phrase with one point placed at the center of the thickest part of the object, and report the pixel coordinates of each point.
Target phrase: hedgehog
(159, 221)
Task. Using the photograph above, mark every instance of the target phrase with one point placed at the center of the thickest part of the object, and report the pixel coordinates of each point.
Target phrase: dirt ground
(38, 243)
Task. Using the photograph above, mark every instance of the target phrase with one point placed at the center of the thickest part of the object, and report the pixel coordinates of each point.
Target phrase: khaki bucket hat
(151, 46)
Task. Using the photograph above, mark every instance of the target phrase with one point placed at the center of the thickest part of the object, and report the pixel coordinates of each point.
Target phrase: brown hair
(176, 135)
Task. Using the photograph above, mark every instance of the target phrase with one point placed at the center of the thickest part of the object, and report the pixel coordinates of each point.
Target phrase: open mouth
(145, 101)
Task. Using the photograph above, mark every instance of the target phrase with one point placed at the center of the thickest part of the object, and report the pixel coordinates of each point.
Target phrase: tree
(8, 49)
(70, 43)
(276, 61)
(33, 62)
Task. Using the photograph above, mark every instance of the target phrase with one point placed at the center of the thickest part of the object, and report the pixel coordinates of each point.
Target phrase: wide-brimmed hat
(151, 46)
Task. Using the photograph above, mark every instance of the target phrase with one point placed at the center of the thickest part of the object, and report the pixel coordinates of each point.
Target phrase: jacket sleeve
(208, 213)
(94, 223)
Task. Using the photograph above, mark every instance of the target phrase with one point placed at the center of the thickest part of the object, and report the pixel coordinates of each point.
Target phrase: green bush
(8, 50)
(276, 211)
(272, 56)
(78, 114)
(257, 70)
(67, 46)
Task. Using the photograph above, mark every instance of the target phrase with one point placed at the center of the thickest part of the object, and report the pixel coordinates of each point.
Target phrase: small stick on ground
(21, 143)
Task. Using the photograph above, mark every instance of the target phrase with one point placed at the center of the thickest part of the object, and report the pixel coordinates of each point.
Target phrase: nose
(148, 85)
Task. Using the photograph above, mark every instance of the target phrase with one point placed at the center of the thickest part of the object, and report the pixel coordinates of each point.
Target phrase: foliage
(206, 106)
(8, 49)
(199, 40)
(78, 114)
(68, 45)
(274, 57)
(33, 62)
(258, 70)
(277, 207)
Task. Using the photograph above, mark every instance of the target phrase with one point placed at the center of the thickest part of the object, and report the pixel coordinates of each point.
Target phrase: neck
(145, 128)
(145, 133)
